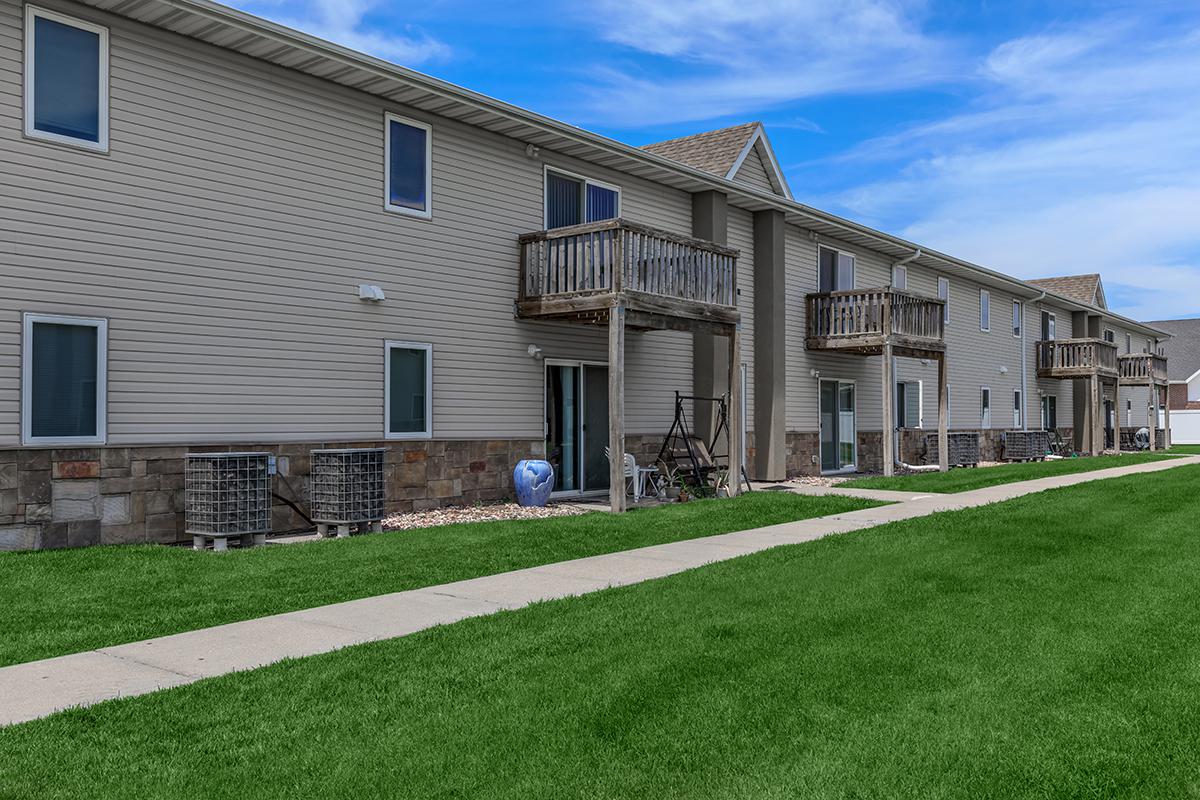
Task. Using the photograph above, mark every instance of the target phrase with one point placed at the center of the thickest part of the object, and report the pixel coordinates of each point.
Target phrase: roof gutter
(216, 12)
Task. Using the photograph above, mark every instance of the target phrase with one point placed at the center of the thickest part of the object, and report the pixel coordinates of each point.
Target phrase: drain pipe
(896, 439)
(1025, 367)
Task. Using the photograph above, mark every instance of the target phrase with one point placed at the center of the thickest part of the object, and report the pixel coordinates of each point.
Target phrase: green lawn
(65, 601)
(962, 479)
(1185, 449)
(1043, 647)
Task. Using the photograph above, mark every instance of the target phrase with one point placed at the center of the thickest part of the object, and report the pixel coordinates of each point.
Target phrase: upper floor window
(66, 80)
(574, 200)
(1109, 336)
(1018, 313)
(1128, 343)
(63, 377)
(900, 277)
(985, 310)
(835, 270)
(944, 294)
(1049, 323)
(408, 166)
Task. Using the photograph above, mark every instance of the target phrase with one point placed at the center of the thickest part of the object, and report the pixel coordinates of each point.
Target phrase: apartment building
(219, 233)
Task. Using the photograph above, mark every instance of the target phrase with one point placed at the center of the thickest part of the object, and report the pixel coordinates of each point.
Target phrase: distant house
(1183, 357)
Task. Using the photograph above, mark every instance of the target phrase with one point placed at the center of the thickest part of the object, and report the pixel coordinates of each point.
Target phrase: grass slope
(1044, 647)
(964, 480)
(59, 602)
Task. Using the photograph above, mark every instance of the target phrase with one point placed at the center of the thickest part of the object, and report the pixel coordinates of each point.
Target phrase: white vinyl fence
(1185, 427)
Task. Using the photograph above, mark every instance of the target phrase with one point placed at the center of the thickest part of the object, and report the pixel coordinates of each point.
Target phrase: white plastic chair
(635, 474)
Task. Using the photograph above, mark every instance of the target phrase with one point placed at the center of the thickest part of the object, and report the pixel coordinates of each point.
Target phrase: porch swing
(684, 453)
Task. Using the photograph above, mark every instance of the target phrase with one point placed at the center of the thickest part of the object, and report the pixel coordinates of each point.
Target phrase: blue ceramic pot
(534, 481)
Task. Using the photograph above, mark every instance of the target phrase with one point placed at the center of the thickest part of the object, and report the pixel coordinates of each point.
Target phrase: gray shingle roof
(1183, 348)
(1084, 288)
(712, 151)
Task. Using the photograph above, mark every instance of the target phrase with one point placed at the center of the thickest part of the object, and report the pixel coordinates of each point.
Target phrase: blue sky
(1034, 138)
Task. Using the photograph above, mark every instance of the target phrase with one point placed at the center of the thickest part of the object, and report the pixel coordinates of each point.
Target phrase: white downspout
(1025, 367)
(896, 439)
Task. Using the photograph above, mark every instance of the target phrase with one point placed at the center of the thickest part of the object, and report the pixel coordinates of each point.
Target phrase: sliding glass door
(577, 426)
(838, 426)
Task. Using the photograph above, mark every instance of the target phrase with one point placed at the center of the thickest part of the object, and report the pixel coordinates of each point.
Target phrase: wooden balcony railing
(866, 318)
(1074, 358)
(617, 255)
(1142, 368)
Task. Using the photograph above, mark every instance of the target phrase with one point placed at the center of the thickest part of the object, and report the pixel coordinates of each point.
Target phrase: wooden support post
(943, 417)
(1166, 413)
(616, 408)
(889, 412)
(1097, 421)
(1117, 415)
(735, 411)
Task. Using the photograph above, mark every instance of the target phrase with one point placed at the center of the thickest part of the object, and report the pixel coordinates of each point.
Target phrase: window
(1128, 343)
(1149, 346)
(574, 200)
(985, 407)
(66, 80)
(63, 376)
(1017, 314)
(408, 390)
(985, 310)
(1016, 408)
(1049, 412)
(944, 294)
(835, 270)
(900, 277)
(1109, 336)
(1128, 413)
(1048, 325)
(408, 166)
(908, 404)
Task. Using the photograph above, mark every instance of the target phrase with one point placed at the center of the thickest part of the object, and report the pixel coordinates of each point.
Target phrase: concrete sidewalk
(36, 689)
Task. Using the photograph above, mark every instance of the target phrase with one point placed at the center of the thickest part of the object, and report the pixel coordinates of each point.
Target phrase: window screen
(66, 62)
(408, 382)
(601, 203)
(64, 375)
(408, 163)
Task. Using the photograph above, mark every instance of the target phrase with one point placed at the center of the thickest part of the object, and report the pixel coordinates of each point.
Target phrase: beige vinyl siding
(226, 233)
(755, 172)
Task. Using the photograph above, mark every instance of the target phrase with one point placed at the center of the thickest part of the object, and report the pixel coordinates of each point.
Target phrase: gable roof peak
(1087, 288)
(721, 152)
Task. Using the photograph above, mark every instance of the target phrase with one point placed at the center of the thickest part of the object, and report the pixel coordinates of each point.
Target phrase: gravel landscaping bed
(487, 513)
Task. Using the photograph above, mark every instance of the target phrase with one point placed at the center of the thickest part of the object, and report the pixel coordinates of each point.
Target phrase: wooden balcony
(663, 280)
(1142, 369)
(1076, 358)
(864, 321)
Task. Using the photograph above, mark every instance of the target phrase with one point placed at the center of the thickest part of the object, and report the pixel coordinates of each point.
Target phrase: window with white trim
(835, 270)
(1109, 336)
(1128, 413)
(1129, 343)
(63, 376)
(985, 310)
(943, 293)
(66, 79)
(575, 200)
(1018, 314)
(900, 277)
(1049, 324)
(985, 407)
(1016, 408)
(408, 390)
(408, 166)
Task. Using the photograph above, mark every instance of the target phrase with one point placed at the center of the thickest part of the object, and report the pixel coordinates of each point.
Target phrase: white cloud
(1082, 156)
(344, 22)
(744, 57)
